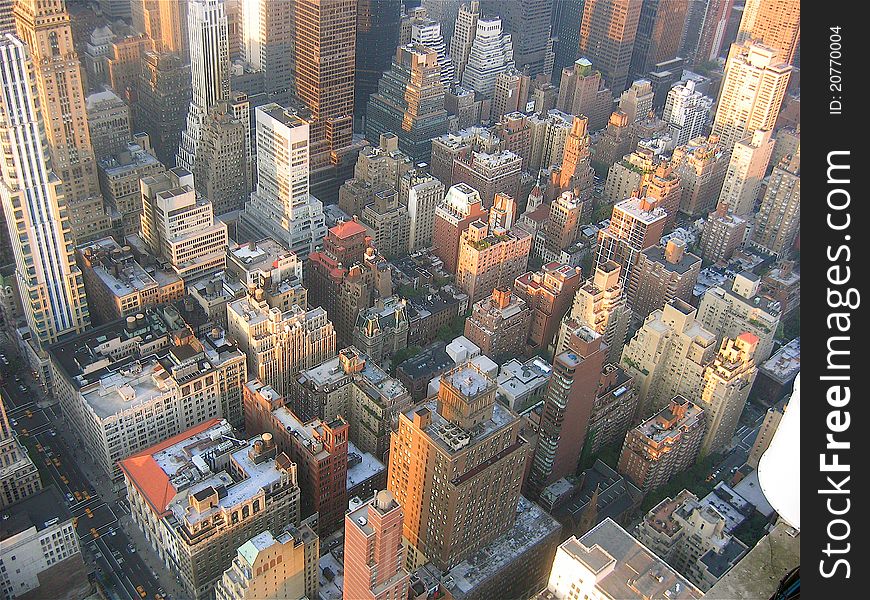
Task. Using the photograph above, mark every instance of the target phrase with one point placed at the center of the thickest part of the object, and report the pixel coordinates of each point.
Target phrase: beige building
(221, 166)
(118, 286)
(456, 467)
(626, 177)
(746, 170)
(179, 227)
(377, 168)
(119, 180)
(489, 259)
(727, 382)
(18, 475)
(635, 225)
(200, 495)
(775, 24)
(662, 273)
(389, 223)
(753, 88)
(136, 382)
(735, 307)
(499, 325)
(765, 433)
(421, 193)
(701, 165)
(778, 222)
(692, 537)
(270, 567)
(723, 234)
(108, 122)
(668, 355)
(600, 303)
(582, 91)
(279, 344)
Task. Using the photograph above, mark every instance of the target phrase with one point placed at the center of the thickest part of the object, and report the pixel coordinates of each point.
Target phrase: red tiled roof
(144, 472)
(347, 229)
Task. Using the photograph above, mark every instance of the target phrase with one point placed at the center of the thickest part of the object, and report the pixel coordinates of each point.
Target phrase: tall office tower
(659, 33)
(736, 306)
(19, 477)
(726, 386)
(279, 344)
(550, 294)
(662, 273)
(422, 193)
(564, 220)
(409, 102)
(565, 28)
(163, 97)
(687, 112)
(165, 23)
(665, 186)
(582, 92)
(283, 565)
(491, 258)
(635, 225)
(266, 43)
(377, 30)
(282, 206)
(461, 206)
(374, 555)
(701, 166)
(45, 28)
(491, 53)
(179, 227)
(209, 72)
(778, 222)
(108, 123)
(752, 90)
(427, 32)
(668, 355)
(528, 23)
(511, 94)
(464, 31)
(50, 283)
(745, 173)
(704, 33)
(468, 437)
(325, 46)
(637, 101)
(262, 493)
(220, 172)
(567, 408)
(576, 568)
(607, 34)
(664, 445)
(773, 23)
(576, 173)
(600, 303)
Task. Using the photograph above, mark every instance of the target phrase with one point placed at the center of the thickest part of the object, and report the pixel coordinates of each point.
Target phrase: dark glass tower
(377, 35)
(565, 25)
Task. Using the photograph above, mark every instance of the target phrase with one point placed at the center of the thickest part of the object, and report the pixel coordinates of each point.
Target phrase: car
(14, 422)
(53, 433)
(18, 379)
(23, 388)
(132, 550)
(70, 497)
(141, 591)
(112, 532)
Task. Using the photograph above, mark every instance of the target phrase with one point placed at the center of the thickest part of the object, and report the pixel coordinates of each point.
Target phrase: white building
(428, 33)
(687, 112)
(282, 207)
(752, 90)
(180, 227)
(37, 214)
(423, 194)
(491, 53)
(464, 30)
(208, 39)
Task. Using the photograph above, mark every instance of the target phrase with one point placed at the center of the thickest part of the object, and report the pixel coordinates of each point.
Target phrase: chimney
(675, 250)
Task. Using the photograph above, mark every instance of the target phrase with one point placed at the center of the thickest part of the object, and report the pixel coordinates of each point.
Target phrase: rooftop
(361, 466)
(657, 254)
(41, 510)
(786, 363)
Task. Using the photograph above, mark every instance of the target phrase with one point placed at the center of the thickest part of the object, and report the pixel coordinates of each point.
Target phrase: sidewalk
(166, 577)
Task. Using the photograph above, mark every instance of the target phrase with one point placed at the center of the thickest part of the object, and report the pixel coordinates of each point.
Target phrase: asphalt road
(104, 543)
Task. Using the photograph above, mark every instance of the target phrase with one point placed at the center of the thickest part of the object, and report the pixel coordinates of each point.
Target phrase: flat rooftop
(786, 363)
(40, 510)
(361, 466)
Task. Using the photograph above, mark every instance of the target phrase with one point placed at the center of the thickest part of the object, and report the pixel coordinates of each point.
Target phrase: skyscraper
(282, 206)
(636, 224)
(774, 23)
(377, 30)
(745, 172)
(607, 34)
(659, 32)
(163, 97)
(568, 404)
(209, 71)
(165, 23)
(752, 90)
(410, 102)
(45, 27)
(565, 29)
(463, 35)
(528, 23)
(491, 53)
(779, 218)
(325, 47)
(427, 32)
(705, 29)
(687, 111)
(37, 216)
(266, 40)
(374, 555)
